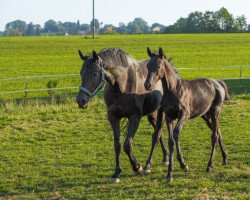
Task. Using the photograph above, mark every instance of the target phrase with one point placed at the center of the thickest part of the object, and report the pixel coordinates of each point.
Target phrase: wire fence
(30, 86)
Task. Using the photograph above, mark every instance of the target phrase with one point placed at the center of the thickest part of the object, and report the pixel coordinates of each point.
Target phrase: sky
(113, 11)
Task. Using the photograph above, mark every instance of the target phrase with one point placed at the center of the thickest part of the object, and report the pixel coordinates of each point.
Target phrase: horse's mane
(117, 57)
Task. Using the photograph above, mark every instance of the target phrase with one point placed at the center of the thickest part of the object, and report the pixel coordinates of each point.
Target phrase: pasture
(205, 54)
(54, 150)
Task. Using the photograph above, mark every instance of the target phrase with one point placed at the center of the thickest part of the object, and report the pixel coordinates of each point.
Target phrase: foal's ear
(161, 53)
(94, 55)
(149, 52)
(82, 56)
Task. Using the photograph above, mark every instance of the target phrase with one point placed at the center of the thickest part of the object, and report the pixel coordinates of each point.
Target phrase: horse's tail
(223, 84)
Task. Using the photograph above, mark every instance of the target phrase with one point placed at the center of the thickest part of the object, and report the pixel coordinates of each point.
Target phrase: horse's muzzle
(147, 85)
(82, 104)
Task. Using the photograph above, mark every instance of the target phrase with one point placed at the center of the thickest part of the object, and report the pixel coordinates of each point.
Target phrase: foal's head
(92, 78)
(156, 67)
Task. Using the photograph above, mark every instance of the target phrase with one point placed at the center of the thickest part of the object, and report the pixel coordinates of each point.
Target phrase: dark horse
(125, 97)
(184, 100)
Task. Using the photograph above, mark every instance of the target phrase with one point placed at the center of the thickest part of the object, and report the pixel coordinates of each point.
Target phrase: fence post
(26, 86)
(240, 79)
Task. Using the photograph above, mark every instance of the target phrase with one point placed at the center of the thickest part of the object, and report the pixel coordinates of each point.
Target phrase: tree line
(221, 21)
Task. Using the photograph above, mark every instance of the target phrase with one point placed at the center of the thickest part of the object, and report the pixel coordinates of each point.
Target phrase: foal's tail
(223, 84)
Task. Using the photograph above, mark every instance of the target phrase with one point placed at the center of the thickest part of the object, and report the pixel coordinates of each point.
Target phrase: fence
(31, 86)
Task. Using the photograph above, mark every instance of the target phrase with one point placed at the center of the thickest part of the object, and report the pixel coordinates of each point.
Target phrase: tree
(85, 27)
(78, 25)
(210, 23)
(122, 28)
(30, 29)
(240, 24)
(70, 28)
(14, 32)
(51, 26)
(138, 26)
(194, 22)
(225, 20)
(16, 25)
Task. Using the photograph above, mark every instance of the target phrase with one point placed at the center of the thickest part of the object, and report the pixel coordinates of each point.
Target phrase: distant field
(207, 53)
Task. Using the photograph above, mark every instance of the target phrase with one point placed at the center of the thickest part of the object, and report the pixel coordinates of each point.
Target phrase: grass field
(54, 150)
(57, 151)
(206, 54)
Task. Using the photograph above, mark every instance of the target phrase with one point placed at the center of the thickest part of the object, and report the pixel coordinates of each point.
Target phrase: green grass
(57, 151)
(51, 150)
(205, 53)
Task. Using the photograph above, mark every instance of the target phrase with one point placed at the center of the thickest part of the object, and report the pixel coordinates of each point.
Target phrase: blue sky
(113, 11)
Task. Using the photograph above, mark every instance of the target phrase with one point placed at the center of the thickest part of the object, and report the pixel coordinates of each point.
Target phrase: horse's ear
(149, 52)
(94, 55)
(161, 53)
(83, 57)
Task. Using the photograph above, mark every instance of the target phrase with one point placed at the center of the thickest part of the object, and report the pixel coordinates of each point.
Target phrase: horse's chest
(170, 107)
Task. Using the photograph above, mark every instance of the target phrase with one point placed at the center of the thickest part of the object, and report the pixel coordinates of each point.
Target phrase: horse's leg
(223, 151)
(222, 148)
(176, 134)
(171, 150)
(134, 121)
(115, 125)
(214, 137)
(155, 138)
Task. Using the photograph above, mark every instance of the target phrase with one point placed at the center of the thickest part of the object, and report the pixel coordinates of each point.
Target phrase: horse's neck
(169, 80)
(125, 78)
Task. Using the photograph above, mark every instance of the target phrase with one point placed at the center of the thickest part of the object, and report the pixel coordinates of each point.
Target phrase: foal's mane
(169, 60)
(117, 57)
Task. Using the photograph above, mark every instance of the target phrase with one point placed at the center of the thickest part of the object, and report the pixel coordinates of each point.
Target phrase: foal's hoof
(146, 171)
(139, 171)
(209, 169)
(185, 169)
(114, 180)
(164, 163)
(169, 179)
(224, 162)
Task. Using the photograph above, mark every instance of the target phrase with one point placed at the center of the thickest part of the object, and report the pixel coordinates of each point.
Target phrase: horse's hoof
(169, 180)
(140, 171)
(185, 169)
(114, 180)
(164, 163)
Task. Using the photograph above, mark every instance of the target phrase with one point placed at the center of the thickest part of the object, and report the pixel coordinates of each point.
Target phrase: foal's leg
(214, 137)
(155, 138)
(134, 121)
(222, 148)
(115, 125)
(171, 149)
(176, 133)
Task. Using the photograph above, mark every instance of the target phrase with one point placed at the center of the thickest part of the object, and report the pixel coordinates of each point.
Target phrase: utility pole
(93, 19)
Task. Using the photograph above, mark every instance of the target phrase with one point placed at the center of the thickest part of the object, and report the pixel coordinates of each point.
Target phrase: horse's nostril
(147, 85)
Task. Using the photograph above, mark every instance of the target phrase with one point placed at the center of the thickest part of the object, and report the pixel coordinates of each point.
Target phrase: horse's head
(92, 78)
(156, 67)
